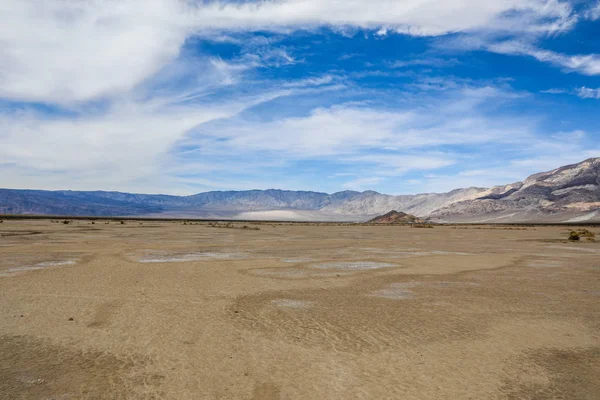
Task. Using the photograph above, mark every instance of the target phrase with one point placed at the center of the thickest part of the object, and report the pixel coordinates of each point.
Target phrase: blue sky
(405, 96)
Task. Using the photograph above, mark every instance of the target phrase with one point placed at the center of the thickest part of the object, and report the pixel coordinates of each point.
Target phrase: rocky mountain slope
(569, 193)
(394, 217)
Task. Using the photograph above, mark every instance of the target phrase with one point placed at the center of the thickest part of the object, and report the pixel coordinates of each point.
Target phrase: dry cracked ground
(163, 310)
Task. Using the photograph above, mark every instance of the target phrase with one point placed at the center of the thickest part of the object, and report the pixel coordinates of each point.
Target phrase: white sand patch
(458, 253)
(544, 264)
(394, 250)
(411, 254)
(295, 304)
(353, 265)
(296, 260)
(187, 257)
(295, 273)
(396, 291)
(585, 217)
(583, 249)
(399, 291)
(295, 215)
(282, 272)
(35, 267)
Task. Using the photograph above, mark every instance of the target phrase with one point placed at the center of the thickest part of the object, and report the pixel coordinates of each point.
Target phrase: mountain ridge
(564, 193)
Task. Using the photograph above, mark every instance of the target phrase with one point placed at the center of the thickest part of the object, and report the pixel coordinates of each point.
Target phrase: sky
(188, 96)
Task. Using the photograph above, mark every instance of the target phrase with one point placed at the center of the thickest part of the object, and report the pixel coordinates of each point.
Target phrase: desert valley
(107, 309)
(299, 200)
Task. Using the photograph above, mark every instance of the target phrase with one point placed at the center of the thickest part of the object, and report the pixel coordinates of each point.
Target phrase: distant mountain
(100, 203)
(566, 194)
(394, 217)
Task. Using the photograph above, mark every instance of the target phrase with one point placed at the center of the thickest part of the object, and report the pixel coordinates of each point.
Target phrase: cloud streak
(85, 50)
(182, 95)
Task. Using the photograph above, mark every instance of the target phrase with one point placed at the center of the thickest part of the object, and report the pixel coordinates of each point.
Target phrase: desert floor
(172, 311)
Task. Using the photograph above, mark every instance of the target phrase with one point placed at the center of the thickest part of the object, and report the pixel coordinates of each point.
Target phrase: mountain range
(566, 194)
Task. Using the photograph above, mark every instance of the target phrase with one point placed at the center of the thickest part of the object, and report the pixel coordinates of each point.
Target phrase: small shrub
(586, 233)
(1, 222)
(66, 222)
(573, 236)
(122, 222)
(422, 226)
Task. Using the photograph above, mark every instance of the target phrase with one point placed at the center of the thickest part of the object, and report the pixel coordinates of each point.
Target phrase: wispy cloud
(587, 64)
(593, 13)
(177, 95)
(91, 49)
(588, 93)
(554, 91)
(583, 92)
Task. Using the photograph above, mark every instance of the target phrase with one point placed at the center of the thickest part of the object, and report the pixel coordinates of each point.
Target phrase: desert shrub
(93, 223)
(122, 222)
(573, 235)
(66, 222)
(1, 221)
(422, 226)
(586, 233)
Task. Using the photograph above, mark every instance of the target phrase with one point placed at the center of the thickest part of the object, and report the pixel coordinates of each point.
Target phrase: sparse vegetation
(500, 228)
(574, 236)
(422, 226)
(66, 222)
(230, 225)
(122, 222)
(586, 233)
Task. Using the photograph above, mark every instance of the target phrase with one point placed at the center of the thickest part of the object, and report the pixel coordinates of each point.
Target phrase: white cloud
(65, 51)
(583, 92)
(542, 154)
(415, 17)
(586, 64)
(124, 148)
(72, 51)
(554, 91)
(593, 13)
(449, 120)
(127, 57)
(158, 146)
(588, 93)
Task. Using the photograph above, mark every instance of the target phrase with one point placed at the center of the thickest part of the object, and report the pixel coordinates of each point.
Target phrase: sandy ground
(162, 310)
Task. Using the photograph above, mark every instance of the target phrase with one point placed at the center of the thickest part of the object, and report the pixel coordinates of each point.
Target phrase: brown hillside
(395, 217)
